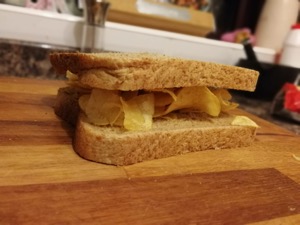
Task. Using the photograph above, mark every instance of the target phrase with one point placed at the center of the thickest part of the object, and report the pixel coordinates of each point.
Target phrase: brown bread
(169, 137)
(135, 71)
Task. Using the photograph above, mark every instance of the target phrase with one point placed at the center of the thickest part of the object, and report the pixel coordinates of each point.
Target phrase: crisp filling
(135, 110)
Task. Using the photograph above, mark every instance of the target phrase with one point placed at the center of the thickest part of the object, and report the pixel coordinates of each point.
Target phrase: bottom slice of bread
(189, 132)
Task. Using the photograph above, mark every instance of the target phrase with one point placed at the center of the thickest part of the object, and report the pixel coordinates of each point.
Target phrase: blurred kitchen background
(259, 34)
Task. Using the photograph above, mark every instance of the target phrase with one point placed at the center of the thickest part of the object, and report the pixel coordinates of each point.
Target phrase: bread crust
(113, 145)
(66, 105)
(136, 71)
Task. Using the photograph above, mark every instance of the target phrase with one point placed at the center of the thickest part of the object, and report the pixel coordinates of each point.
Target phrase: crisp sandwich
(126, 98)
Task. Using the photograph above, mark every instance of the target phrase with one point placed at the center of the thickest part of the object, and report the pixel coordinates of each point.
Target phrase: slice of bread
(136, 71)
(187, 133)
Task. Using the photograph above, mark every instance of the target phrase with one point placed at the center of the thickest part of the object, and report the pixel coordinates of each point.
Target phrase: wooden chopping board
(42, 180)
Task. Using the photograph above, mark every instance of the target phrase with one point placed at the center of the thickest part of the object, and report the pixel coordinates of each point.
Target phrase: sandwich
(131, 107)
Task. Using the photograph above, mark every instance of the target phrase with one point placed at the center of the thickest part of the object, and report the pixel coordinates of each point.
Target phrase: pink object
(41, 4)
(238, 36)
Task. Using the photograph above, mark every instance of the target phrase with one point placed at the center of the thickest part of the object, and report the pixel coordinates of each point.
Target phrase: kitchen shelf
(49, 28)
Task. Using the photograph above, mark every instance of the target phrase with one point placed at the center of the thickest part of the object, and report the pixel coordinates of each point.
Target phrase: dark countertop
(28, 60)
(262, 109)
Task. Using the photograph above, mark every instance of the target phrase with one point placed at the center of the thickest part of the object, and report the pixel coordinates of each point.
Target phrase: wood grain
(212, 198)
(31, 86)
(43, 181)
(290, 220)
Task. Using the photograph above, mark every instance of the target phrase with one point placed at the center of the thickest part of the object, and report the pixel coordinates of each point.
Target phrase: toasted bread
(136, 71)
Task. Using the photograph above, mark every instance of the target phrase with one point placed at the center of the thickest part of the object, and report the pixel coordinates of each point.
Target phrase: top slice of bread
(136, 71)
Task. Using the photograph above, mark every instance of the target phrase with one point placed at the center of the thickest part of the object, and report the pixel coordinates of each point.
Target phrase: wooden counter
(42, 180)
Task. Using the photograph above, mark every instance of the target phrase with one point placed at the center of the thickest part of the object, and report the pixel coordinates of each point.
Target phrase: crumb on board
(296, 157)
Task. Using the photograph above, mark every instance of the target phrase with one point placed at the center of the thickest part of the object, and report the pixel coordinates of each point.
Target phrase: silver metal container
(95, 13)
